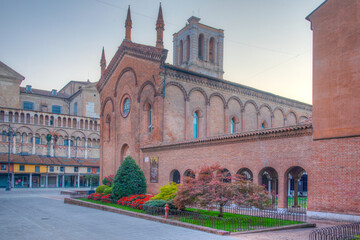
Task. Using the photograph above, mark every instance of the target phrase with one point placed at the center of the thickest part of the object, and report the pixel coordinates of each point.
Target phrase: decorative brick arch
(28, 130)
(236, 99)
(280, 109)
(295, 114)
(202, 91)
(267, 106)
(254, 103)
(104, 105)
(179, 86)
(142, 88)
(125, 70)
(220, 96)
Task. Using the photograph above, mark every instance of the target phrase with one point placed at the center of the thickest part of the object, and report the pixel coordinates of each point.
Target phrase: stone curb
(143, 216)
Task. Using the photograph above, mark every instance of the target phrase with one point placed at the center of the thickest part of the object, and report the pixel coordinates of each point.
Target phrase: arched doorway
(268, 177)
(297, 185)
(124, 152)
(175, 176)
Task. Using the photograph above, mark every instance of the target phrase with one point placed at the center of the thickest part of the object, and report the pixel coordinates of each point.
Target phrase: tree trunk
(221, 211)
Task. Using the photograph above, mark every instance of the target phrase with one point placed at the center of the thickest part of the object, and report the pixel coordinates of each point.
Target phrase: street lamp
(10, 133)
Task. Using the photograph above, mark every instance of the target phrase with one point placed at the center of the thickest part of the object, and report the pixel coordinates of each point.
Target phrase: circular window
(125, 106)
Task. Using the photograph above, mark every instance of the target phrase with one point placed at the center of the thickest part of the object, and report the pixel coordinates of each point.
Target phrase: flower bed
(106, 198)
(134, 201)
(95, 196)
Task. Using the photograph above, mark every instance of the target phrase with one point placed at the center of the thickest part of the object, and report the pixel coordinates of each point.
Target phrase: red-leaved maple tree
(212, 188)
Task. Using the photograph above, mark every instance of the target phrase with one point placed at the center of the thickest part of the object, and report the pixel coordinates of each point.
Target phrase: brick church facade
(174, 118)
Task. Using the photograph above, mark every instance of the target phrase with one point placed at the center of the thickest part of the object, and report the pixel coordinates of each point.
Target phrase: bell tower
(199, 48)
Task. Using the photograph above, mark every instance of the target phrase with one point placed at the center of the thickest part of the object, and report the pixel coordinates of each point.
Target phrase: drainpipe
(163, 113)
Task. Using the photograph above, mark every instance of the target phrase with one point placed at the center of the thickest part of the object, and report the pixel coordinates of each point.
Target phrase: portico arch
(268, 177)
(175, 176)
(296, 192)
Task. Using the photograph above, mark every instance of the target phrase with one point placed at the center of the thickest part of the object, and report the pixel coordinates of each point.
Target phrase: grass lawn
(112, 205)
(235, 222)
(230, 222)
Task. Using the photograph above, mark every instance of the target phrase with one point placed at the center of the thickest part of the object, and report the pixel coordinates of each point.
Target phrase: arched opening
(28, 118)
(225, 175)
(47, 120)
(148, 110)
(264, 125)
(108, 128)
(69, 123)
(268, 177)
(86, 124)
(297, 185)
(181, 52)
(245, 173)
(52, 121)
(233, 125)
(2, 116)
(188, 48)
(212, 50)
(11, 116)
(81, 124)
(22, 118)
(59, 122)
(175, 176)
(74, 125)
(196, 125)
(16, 117)
(189, 173)
(64, 122)
(201, 47)
(124, 152)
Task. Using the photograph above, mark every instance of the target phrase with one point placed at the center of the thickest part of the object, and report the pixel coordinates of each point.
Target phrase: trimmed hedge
(101, 189)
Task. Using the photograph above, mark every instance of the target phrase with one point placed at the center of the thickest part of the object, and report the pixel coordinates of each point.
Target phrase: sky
(267, 44)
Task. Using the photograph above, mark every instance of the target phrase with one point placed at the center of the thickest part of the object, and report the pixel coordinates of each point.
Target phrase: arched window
(201, 47)
(232, 125)
(212, 50)
(188, 48)
(181, 52)
(149, 119)
(196, 125)
(264, 125)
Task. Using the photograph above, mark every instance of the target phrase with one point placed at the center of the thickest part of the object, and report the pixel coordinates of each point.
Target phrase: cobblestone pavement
(38, 214)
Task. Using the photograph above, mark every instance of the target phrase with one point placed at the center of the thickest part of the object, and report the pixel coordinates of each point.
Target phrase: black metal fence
(248, 220)
(342, 232)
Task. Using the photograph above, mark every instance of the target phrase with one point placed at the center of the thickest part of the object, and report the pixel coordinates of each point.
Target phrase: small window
(3, 167)
(75, 109)
(56, 109)
(126, 107)
(232, 126)
(76, 169)
(66, 142)
(51, 121)
(149, 119)
(196, 125)
(98, 170)
(28, 105)
(88, 170)
(22, 168)
(37, 140)
(61, 169)
(51, 169)
(37, 168)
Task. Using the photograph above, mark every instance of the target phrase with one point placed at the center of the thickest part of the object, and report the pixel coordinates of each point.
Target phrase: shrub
(108, 180)
(160, 203)
(167, 192)
(129, 180)
(107, 191)
(100, 189)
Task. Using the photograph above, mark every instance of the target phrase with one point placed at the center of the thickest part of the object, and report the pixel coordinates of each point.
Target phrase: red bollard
(166, 211)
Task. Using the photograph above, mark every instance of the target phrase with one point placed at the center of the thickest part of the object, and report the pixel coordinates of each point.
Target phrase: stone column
(86, 148)
(46, 180)
(296, 182)
(12, 180)
(14, 145)
(78, 180)
(57, 180)
(63, 181)
(33, 145)
(282, 200)
(52, 146)
(69, 148)
(30, 180)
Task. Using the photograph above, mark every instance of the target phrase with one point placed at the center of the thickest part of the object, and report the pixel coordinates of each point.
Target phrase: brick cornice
(133, 49)
(274, 133)
(212, 82)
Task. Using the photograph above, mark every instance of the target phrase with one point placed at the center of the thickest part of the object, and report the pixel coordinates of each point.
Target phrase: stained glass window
(196, 125)
(126, 107)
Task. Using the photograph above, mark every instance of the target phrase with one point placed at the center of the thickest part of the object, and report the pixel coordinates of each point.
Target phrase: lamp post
(10, 133)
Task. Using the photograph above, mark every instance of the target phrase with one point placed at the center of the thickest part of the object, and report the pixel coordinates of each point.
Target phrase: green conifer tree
(129, 180)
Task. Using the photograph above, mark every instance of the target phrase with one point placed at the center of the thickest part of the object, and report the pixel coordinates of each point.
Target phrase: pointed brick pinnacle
(160, 20)
(103, 62)
(159, 29)
(128, 25)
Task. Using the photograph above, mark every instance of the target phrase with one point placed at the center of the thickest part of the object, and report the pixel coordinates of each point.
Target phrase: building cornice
(273, 133)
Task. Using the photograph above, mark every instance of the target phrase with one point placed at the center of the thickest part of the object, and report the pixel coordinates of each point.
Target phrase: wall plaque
(154, 169)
